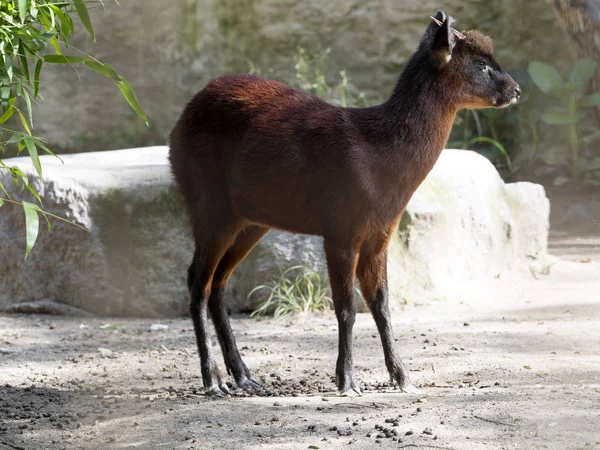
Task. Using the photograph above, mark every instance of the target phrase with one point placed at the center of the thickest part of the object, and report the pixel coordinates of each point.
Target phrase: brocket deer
(250, 154)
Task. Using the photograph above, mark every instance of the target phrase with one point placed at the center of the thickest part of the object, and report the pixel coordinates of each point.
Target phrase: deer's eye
(486, 69)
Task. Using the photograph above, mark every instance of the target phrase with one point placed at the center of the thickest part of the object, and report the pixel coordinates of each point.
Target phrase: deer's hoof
(354, 391)
(410, 389)
(250, 385)
(220, 390)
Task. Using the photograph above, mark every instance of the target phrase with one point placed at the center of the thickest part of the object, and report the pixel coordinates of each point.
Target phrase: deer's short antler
(457, 33)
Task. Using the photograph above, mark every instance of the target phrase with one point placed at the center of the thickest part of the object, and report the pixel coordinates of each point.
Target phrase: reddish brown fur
(480, 41)
(250, 154)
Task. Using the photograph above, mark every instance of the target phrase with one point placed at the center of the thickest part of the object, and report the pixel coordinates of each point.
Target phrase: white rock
(132, 257)
(465, 224)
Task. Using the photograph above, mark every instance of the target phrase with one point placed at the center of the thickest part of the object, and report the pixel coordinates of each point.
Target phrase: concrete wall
(169, 49)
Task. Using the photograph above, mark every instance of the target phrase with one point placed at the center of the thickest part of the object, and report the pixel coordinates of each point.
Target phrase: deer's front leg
(341, 264)
(372, 275)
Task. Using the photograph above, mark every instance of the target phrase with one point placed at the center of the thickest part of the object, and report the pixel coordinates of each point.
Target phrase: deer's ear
(443, 40)
(433, 27)
(440, 15)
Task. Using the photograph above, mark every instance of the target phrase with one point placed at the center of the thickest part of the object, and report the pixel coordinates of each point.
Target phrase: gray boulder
(463, 225)
(132, 255)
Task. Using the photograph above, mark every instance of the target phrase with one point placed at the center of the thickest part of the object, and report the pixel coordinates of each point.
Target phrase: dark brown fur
(250, 154)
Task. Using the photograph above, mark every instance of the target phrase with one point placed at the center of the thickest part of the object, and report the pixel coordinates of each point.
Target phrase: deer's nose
(518, 91)
(517, 94)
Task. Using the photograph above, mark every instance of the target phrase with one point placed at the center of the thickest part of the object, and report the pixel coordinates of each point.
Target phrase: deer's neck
(408, 133)
(419, 116)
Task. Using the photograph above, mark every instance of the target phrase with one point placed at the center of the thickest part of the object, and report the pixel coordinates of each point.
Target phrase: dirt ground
(518, 369)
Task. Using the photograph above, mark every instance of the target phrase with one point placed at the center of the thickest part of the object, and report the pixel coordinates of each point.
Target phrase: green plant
(465, 137)
(306, 292)
(310, 77)
(29, 31)
(569, 109)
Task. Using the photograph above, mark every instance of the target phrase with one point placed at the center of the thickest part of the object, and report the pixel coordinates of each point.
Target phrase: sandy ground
(518, 369)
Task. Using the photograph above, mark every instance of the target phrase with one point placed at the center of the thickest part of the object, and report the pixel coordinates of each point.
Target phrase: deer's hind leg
(246, 239)
(213, 235)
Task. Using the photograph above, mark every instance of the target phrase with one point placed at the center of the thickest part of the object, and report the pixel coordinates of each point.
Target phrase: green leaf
(56, 44)
(65, 59)
(560, 180)
(558, 118)
(16, 137)
(592, 100)
(33, 153)
(40, 144)
(29, 110)
(590, 165)
(3, 189)
(85, 17)
(5, 95)
(583, 72)
(8, 66)
(36, 77)
(32, 226)
(1, 202)
(22, 10)
(24, 63)
(545, 77)
(9, 111)
(496, 144)
(103, 69)
(24, 122)
(131, 98)
(34, 193)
